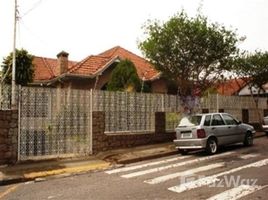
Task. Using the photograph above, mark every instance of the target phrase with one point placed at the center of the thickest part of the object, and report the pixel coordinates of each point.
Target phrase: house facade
(94, 71)
(246, 91)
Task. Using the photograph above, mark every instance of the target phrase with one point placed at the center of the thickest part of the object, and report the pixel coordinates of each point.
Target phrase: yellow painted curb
(84, 168)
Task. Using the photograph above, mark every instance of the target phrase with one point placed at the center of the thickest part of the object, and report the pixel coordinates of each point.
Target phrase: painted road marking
(145, 165)
(161, 179)
(9, 190)
(214, 178)
(247, 156)
(140, 173)
(237, 192)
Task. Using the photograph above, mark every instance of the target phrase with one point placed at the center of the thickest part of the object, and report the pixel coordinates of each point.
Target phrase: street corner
(70, 170)
(11, 176)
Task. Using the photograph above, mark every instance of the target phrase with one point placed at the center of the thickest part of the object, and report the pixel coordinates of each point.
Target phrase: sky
(89, 27)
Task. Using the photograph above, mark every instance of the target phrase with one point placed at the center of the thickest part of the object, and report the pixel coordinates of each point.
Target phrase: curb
(137, 159)
(14, 181)
(49, 174)
(260, 135)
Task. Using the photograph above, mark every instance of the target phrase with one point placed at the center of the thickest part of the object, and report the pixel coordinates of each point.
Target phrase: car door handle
(229, 126)
(213, 128)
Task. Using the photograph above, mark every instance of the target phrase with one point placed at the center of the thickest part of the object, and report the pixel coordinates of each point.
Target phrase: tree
(24, 68)
(190, 51)
(125, 78)
(253, 68)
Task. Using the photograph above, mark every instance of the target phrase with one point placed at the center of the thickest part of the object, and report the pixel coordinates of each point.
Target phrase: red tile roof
(144, 68)
(90, 65)
(45, 68)
(231, 87)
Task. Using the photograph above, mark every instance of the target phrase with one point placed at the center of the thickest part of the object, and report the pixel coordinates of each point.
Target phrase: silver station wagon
(265, 126)
(211, 130)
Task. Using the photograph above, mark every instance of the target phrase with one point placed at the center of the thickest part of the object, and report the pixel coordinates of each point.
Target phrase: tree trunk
(256, 102)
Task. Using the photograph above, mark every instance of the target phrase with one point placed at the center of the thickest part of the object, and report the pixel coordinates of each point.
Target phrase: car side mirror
(239, 122)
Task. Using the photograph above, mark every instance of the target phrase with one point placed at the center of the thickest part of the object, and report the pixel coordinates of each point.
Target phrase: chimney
(62, 62)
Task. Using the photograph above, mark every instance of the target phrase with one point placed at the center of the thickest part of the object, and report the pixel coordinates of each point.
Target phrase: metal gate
(54, 122)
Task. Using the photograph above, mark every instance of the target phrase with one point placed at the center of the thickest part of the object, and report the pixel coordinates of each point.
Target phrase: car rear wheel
(248, 141)
(183, 151)
(212, 146)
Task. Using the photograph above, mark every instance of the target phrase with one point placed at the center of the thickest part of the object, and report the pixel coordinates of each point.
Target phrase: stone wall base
(8, 136)
(104, 142)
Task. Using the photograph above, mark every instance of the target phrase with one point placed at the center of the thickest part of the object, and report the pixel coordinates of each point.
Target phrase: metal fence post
(1, 95)
(208, 102)
(163, 102)
(217, 101)
(19, 125)
(91, 120)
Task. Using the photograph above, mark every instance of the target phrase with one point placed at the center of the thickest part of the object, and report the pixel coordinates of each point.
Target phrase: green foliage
(146, 87)
(173, 119)
(211, 90)
(254, 68)
(125, 76)
(190, 51)
(24, 67)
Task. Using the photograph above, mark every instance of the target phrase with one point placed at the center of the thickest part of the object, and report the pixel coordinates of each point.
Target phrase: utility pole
(13, 83)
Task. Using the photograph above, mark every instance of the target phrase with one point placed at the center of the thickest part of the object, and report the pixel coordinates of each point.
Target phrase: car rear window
(190, 120)
(195, 119)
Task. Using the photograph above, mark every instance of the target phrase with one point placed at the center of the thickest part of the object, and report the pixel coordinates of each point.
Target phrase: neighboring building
(94, 71)
(240, 87)
(231, 87)
(247, 91)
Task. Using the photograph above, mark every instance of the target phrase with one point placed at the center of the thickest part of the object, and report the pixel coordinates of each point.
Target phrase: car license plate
(186, 134)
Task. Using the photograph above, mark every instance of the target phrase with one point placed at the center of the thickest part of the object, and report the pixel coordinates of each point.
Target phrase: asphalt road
(234, 172)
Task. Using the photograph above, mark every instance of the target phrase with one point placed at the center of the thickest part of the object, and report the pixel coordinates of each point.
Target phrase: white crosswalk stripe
(184, 173)
(247, 156)
(158, 169)
(237, 192)
(214, 178)
(196, 181)
(124, 169)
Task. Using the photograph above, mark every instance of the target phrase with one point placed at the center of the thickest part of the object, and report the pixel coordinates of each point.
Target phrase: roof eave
(108, 64)
(68, 75)
(59, 78)
(156, 77)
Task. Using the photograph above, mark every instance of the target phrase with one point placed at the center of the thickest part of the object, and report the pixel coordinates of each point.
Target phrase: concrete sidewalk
(42, 170)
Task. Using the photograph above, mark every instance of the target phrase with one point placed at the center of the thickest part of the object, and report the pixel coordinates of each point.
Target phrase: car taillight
(201, 133)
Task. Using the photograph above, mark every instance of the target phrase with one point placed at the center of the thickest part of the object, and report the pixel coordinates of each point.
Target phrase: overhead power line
(32, 8)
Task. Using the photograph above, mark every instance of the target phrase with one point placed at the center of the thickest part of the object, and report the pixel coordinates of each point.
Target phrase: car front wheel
(248, 141)
(212, 146)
